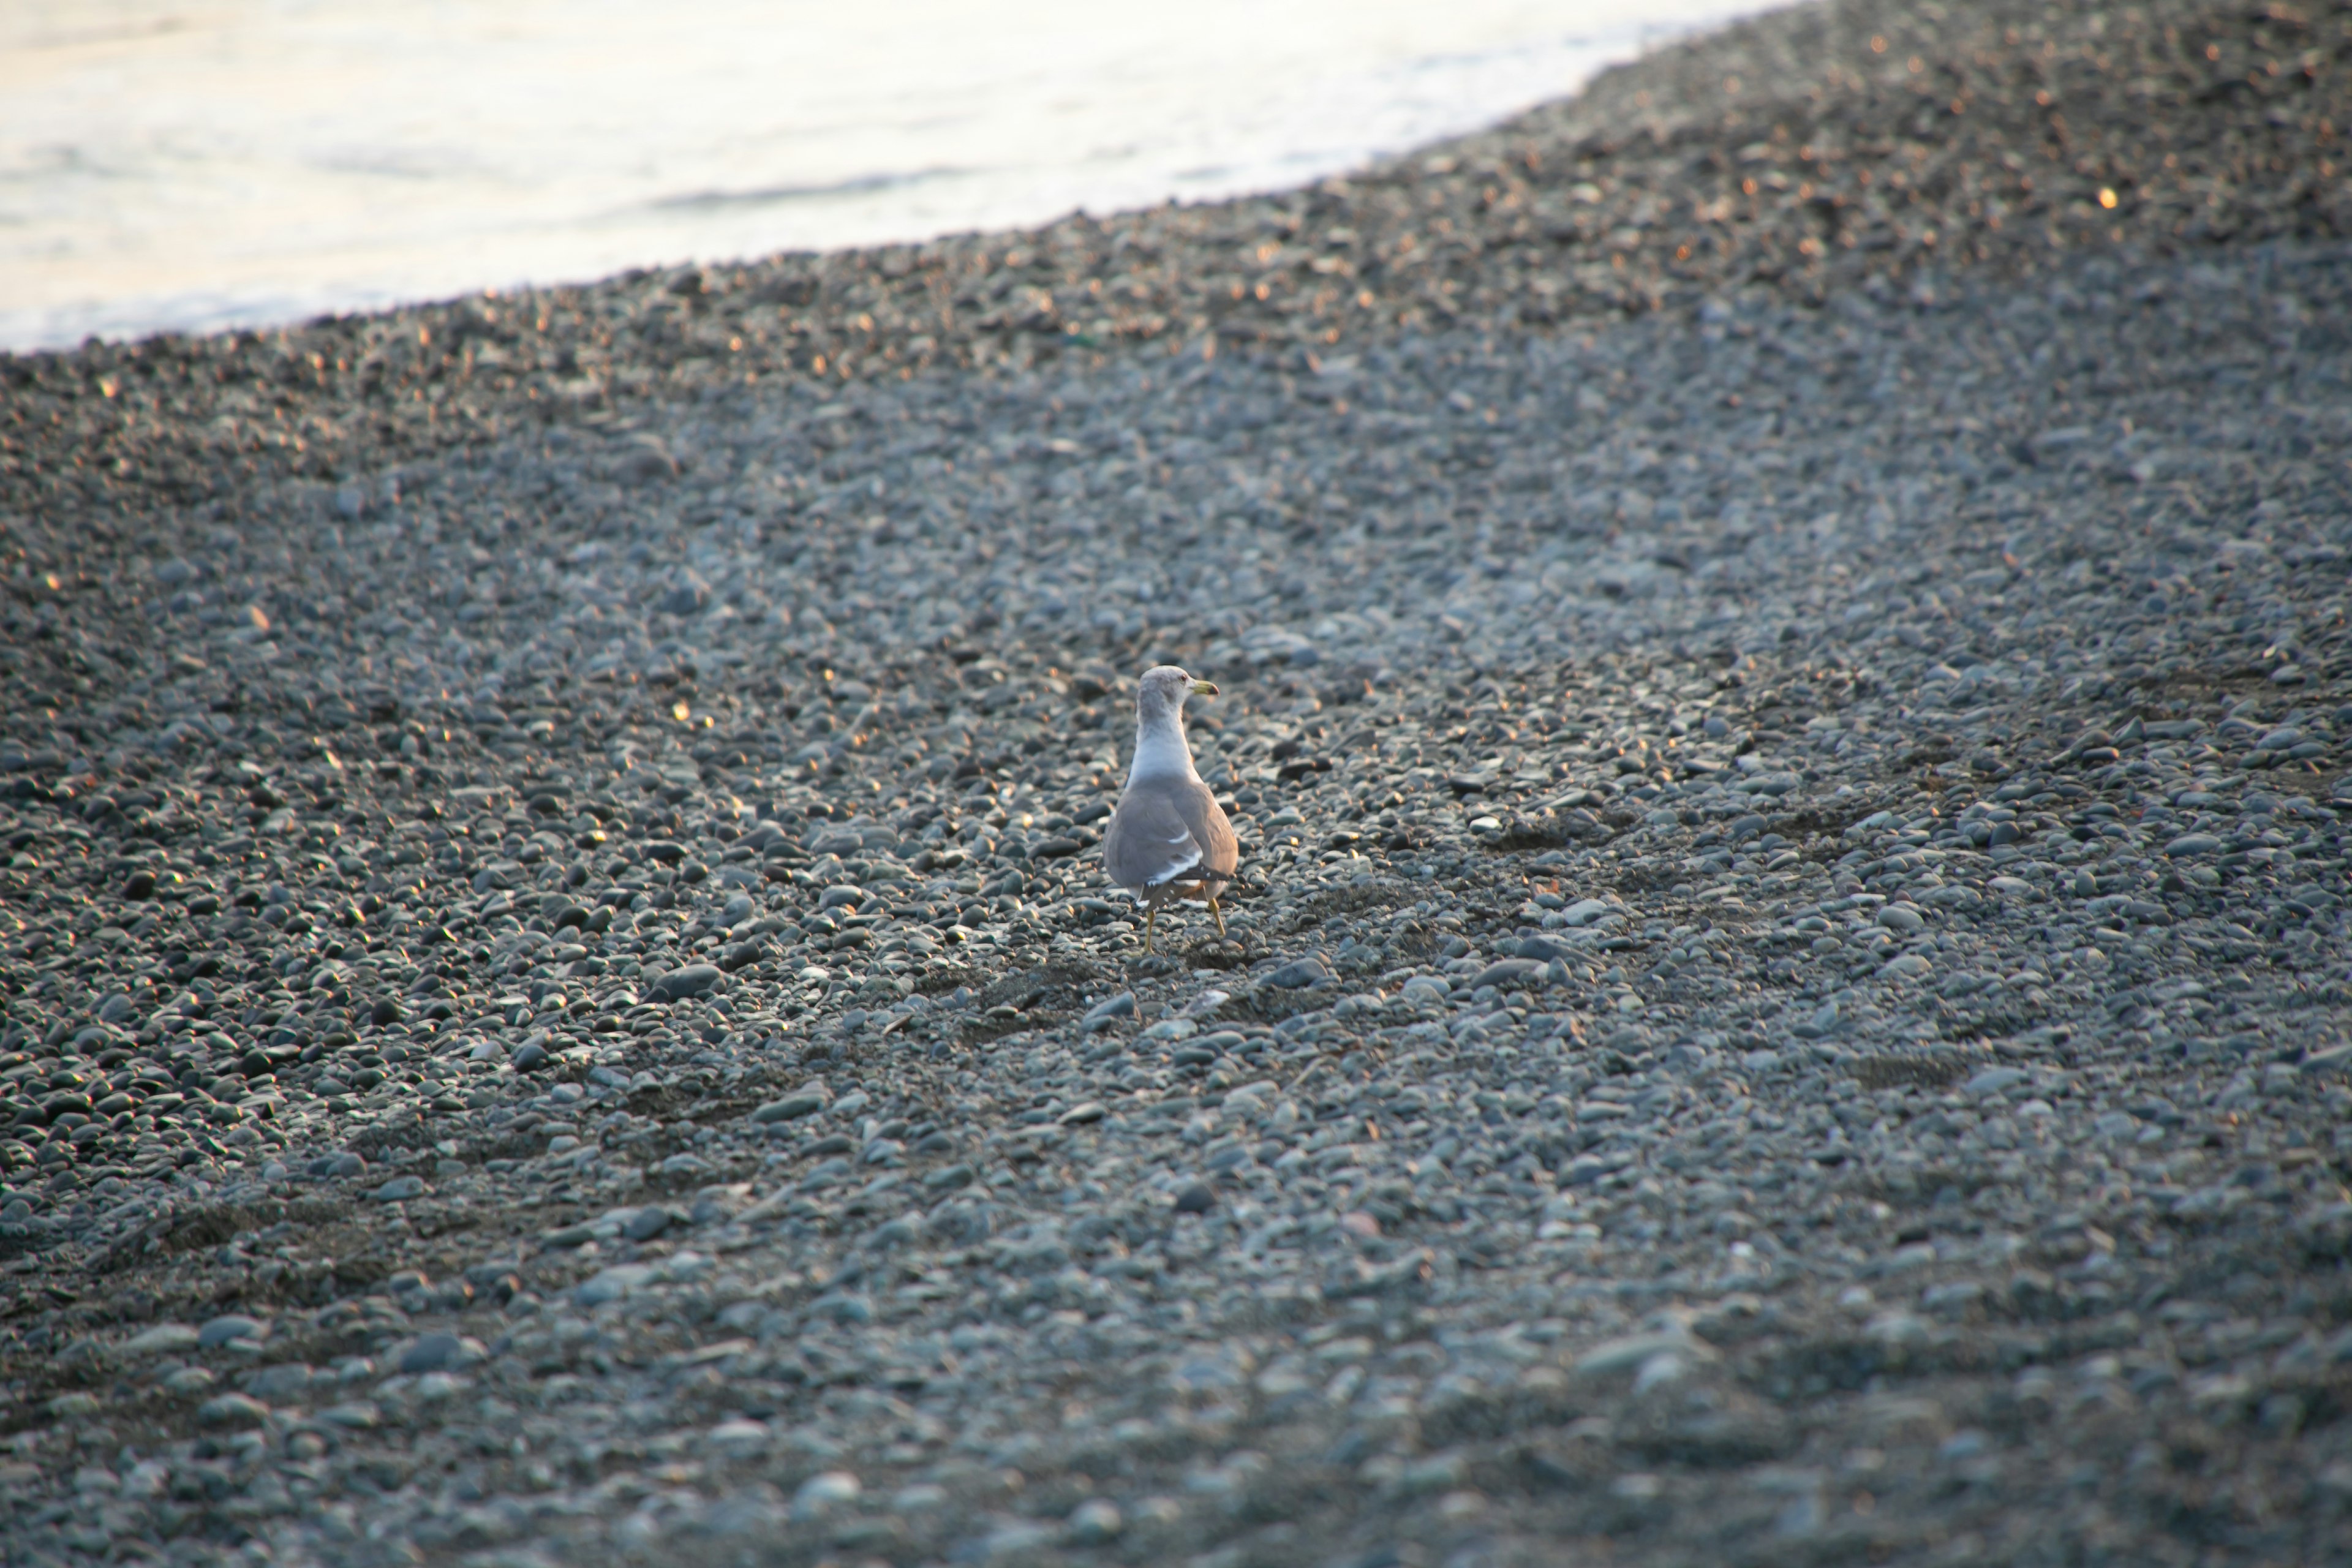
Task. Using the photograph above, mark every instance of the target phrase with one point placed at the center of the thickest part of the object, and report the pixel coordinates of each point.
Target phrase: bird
(1167, 839)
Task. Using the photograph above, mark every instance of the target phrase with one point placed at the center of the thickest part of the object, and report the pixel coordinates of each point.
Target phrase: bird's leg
(1220, 914)
(1151, 914)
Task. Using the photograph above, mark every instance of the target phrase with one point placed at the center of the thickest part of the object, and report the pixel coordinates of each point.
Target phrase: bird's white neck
(1161, 750)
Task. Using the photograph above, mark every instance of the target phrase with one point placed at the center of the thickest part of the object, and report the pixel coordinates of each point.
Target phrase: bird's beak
(1205, 688)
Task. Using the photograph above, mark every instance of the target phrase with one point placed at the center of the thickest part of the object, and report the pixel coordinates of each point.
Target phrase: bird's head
(1167, 687)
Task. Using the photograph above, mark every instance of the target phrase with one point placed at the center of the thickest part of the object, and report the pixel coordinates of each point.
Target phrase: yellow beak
(1205, 688)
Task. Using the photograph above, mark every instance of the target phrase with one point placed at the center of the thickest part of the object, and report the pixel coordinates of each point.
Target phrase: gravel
(1785, 1001)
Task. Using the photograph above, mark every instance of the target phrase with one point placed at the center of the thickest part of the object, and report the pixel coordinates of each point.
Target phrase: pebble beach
(1784, 687)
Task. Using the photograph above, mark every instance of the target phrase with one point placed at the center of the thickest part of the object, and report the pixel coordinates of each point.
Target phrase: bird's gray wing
(1204, 819)
(1167, 831)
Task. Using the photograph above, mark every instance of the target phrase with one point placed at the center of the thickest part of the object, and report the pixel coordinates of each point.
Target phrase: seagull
(1168, 839)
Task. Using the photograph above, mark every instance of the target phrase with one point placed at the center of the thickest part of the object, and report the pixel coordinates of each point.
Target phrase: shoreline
(1652, 188)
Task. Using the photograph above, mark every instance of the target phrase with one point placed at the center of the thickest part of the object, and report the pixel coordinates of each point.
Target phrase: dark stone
(1299, 973)
(678, 984)
(432, 1353)
(1509, 972)
(1196, 1199)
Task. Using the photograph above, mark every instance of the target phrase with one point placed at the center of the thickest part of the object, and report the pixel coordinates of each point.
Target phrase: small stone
(1196, 1199)
(737, 1439)
(1299, 973)
(1630, 1353)
(1108, 1011)
(288, 1380)
(825, 1492)
(791, 1108)
(683, 985)
(440, 1352)
(163, 1339)
(530, 1056)
(1687, 1061)
(140, 884)
(1095, 1523)
(232, 1412)
(2334, 1059)
(399, 1189)
(230, 1328)
(387, 1011)
(1663, 1368)
(1902, 918)
(1994, 1080)
(612, 1284)
(646, 1223)
(1509, 972)
(1770, 783)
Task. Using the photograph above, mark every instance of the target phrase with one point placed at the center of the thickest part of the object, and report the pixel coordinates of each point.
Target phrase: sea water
(193, 165)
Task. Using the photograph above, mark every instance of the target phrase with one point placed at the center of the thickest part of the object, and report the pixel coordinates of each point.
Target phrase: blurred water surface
(213, 162)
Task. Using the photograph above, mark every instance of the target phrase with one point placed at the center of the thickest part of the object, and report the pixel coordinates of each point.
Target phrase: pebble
(163, 1339)
(1095, 1523)
(229, 1329)
(1994, 1080)
(232, 1412)
(824, 1492)
(1108, 1011)
(439, 1353)
(791, 1108)
(691, 981)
